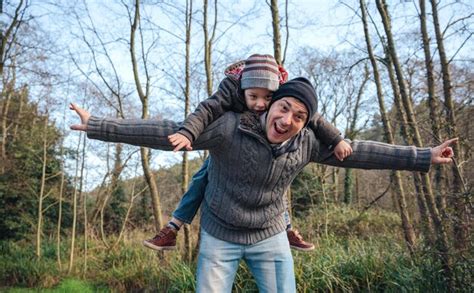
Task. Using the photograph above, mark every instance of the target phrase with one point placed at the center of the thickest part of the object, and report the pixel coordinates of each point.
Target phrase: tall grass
(367, 256)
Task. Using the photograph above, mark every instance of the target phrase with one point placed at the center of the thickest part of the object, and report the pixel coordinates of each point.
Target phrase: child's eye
(269, 98)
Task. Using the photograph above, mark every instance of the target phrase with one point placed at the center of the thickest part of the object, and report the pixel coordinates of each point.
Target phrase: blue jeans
(191, 200)
(270, 262)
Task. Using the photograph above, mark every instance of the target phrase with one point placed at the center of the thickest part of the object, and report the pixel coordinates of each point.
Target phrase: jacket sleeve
(148, 133)
(228, 97)
(377, 155)
(325, 131)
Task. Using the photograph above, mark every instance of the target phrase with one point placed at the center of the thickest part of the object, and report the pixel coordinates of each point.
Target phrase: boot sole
(301, 249)
(159, 248)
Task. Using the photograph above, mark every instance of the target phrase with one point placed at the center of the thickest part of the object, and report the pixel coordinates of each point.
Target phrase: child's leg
(184, 213)
(294, 238)
(191, 200)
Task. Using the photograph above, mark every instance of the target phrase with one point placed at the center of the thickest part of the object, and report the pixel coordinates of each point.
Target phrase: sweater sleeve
(377, 155)
(148, 133)
(325, 131)
(228, 97)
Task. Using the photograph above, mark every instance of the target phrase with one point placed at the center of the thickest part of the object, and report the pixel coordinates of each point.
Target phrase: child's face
(257, 99)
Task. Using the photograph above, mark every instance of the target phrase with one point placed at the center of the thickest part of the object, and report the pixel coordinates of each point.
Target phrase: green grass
(366, 256)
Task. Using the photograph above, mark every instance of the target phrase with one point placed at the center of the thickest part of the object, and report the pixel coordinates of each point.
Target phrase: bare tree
(144, 95)
(461, 203)
(351, 132)
(276, 31)
(8, 48)
(77, 189)
(443, 246)
(185, 164)
(408, 231)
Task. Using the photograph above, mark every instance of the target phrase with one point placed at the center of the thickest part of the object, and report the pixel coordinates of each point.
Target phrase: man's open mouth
(280, 130)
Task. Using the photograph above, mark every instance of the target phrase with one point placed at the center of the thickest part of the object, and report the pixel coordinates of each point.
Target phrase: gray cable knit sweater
(243, 202)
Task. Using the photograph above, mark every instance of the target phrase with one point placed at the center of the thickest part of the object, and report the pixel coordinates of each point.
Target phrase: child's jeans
(191, 200)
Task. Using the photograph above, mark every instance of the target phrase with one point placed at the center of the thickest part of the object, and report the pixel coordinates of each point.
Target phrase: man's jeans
(270, 262)
(191, 200)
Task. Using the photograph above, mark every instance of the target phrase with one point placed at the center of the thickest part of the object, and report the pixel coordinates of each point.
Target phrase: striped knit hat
(260, 71)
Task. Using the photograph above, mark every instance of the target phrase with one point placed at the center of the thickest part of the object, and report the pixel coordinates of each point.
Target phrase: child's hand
(180, 141)
(342, 150)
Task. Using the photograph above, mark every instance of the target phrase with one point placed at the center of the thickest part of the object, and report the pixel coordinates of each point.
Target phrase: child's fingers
(178, 147)
(338, 155)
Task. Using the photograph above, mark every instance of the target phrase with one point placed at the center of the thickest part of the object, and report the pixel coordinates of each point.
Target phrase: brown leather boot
(164, 240)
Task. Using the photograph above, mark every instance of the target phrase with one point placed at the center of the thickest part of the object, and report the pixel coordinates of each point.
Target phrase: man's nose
(286, 118)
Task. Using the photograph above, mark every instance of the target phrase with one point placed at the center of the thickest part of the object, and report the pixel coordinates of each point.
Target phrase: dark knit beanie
(260, 71)
(299, 88)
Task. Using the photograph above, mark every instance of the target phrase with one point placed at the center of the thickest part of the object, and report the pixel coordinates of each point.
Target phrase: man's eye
(269, 98)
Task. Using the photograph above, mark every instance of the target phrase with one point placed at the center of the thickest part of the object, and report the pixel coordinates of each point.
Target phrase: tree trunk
(426, 221)
(433, 103)
(460, 203)
(276, 31)
(408, 231)
(44, 160)
(145, 152)
(74, 205)
(60, 210)
(185, 165)
(351, 134)
(83, 197)
(442, 243)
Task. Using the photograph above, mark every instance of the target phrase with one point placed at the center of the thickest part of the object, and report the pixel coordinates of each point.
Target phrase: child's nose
(261, 104)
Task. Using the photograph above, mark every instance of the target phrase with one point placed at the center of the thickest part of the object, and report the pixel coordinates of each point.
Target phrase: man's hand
(342, 150)
(443, 153)
(83, 114)
(180, 141)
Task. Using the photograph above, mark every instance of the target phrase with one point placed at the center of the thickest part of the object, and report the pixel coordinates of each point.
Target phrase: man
(254, 159)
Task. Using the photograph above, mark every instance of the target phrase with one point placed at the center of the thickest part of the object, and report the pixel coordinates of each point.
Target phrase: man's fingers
(449, 142)
(174, 142)
(79, 127)
(444, 160)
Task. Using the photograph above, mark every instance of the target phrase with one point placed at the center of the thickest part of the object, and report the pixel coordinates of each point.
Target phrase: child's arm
(330, 136)
(228, 97)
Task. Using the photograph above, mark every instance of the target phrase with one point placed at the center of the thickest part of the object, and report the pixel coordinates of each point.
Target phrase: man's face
(285, 119)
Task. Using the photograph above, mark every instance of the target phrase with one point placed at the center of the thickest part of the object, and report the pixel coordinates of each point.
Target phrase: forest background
(74, 211)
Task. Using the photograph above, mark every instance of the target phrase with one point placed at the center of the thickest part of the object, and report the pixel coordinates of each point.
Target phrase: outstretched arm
(377, 155)
(140, 132)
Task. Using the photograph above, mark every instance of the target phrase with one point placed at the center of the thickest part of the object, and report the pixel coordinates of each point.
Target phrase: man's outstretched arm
(377, 155)
(139, 132)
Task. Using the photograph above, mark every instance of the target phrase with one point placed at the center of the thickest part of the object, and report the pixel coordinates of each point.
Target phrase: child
(248, 86)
